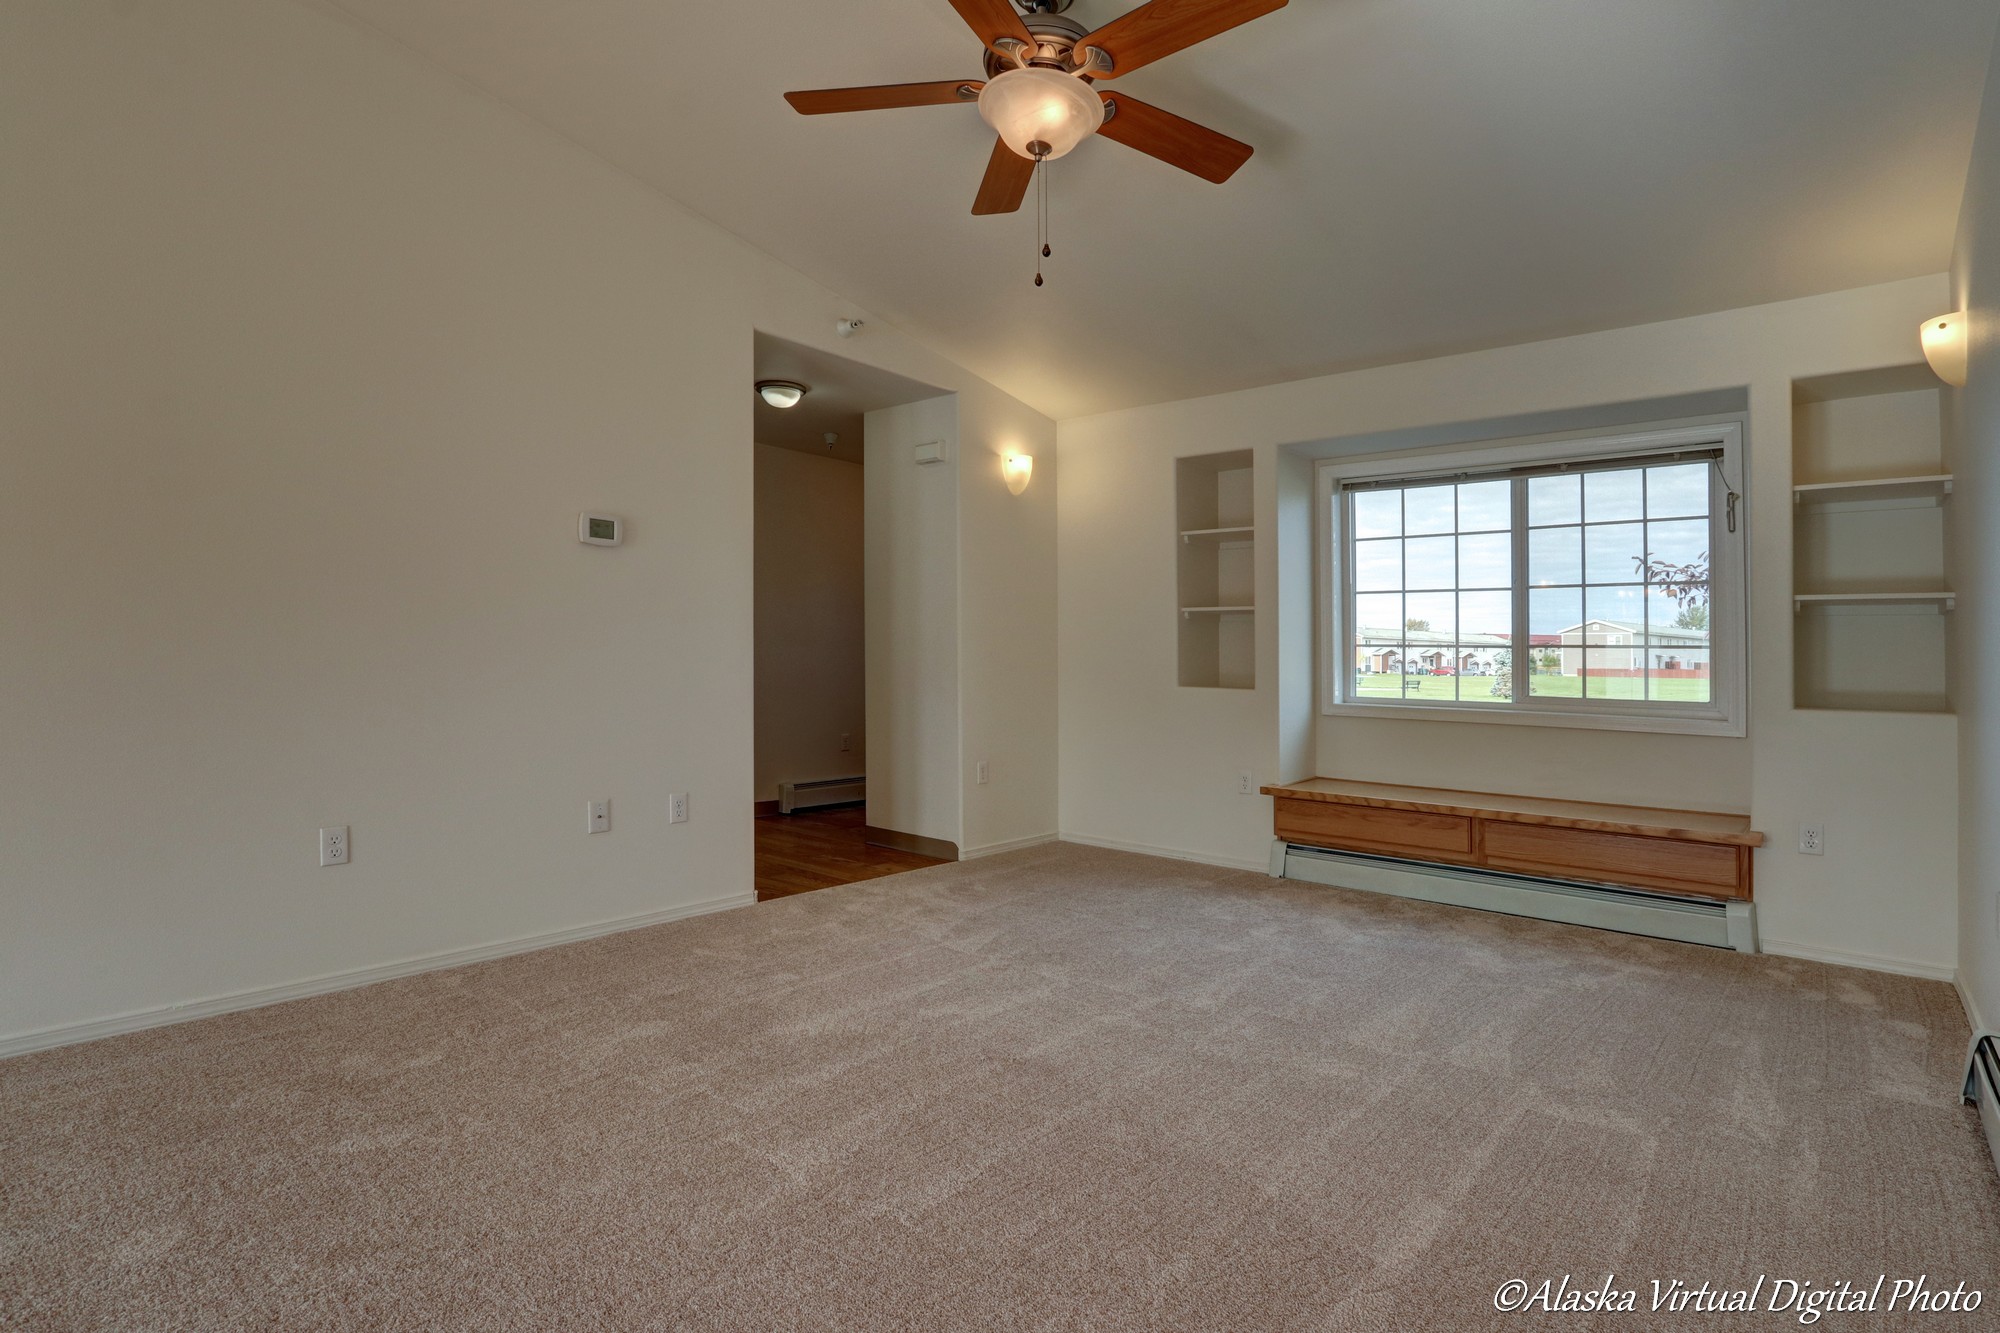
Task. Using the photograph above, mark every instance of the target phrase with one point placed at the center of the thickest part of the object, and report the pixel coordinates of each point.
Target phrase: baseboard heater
(827, 791)
(1982, 1089)
(1725, 925)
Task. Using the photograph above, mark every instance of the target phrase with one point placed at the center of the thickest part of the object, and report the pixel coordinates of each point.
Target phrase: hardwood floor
(817, 849)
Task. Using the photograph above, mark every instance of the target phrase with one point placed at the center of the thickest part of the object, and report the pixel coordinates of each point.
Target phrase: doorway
(811, 726)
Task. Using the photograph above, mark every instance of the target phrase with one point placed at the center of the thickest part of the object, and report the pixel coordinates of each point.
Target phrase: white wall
(810, 690)
(1147, 764)
(310, 358)
(1972, 431)
(1007, 625)
(950, 546)
(913, 617)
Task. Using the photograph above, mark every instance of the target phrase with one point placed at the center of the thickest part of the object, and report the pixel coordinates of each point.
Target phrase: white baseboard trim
(1260, 864)
(1011, 845)
(1901, 967)
(1972, 1014)
(71, 1033)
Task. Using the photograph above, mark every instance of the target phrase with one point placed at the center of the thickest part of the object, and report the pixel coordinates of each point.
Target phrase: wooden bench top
(1686, 825)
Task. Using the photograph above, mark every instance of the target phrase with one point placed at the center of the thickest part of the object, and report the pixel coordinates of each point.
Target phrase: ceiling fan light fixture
(1040, 113)
(781, 393)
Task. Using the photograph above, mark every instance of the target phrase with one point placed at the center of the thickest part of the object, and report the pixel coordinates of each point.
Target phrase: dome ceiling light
(781, 393)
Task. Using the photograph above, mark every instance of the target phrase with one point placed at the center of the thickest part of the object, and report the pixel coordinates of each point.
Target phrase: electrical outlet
(600, 816)
(1246, 785)
(846, 740)
(980, 772)
(333, 846)
(677, 808)
(1812, 839)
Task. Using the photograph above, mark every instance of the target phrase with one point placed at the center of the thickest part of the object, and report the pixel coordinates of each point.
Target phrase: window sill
(1698, 725)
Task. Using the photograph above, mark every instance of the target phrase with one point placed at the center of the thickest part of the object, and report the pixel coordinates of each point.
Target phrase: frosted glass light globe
(1944, 347)
(1045, 107)
(780, 393)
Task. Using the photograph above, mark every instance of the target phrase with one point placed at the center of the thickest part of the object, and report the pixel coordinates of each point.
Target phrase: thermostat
(599, 529)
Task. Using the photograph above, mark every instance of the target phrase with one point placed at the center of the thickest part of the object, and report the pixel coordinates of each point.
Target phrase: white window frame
(1729, 642)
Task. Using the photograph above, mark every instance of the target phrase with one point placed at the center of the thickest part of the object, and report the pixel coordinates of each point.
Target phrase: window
(1591, 583)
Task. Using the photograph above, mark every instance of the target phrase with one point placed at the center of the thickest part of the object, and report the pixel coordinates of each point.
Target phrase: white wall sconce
(1944, 347)
(1017, 468)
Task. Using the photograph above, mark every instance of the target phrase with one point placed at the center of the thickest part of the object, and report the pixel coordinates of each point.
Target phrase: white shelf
(1931, 486)
(1947, 600)
(1872, 516)
(1216, 570)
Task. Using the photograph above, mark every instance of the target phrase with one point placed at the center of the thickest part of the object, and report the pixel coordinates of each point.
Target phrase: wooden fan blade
(1006, 182)
(1177, 142)
(994, 19)
(1166, 26)
(820, 101)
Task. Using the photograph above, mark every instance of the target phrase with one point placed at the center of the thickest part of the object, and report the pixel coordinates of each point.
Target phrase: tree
(1416, 624)
(1685, 585)
(1692, 617)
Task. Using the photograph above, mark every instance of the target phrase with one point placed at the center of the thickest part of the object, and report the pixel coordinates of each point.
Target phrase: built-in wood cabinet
(1693, 853)
(1215, 539)
(1871, 591)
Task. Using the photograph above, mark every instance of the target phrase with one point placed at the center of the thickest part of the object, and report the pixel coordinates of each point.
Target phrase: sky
(1443, 552)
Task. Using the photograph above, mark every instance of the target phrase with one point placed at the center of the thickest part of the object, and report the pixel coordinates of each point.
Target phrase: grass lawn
(1479, 689)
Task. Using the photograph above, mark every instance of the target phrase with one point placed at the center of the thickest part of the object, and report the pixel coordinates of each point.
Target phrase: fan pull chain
(1045, 208)
(1041, 213)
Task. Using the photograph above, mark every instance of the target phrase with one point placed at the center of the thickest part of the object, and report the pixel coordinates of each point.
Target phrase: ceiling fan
(1038, 94)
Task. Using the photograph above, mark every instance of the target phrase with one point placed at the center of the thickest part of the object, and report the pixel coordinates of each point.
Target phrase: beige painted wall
(1007, 625)
(311, 357)
(1972, 429)
(1147, 764)
(949, 545)
(913, 619)
(810, 690)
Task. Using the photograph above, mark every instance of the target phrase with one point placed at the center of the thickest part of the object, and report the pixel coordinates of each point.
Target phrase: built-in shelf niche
(1215, 539)
(1871, 590)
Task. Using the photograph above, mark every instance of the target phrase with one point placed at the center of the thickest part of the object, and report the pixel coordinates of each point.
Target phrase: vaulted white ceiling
(1431, 175)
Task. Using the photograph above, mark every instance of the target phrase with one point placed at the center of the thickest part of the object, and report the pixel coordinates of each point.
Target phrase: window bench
(1683, 853)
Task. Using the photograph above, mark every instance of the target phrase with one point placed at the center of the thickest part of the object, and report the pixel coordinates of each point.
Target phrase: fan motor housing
(1055, 37)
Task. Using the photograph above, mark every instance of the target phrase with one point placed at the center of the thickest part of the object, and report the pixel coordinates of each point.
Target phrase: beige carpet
(1058, 1089)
